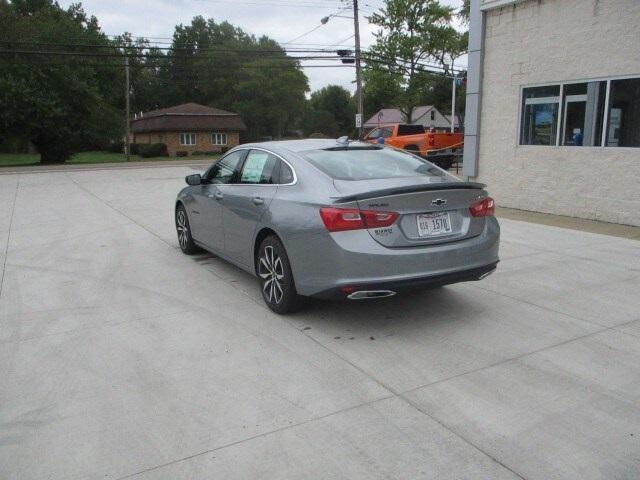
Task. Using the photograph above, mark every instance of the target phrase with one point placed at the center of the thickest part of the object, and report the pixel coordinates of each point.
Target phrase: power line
(275, 3)
(219, 49)
(322, 24)
(171, 70)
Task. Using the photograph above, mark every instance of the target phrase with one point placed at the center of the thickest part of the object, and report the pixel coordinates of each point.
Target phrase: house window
(219, 138)
(187, 139)
(433, 114)
(577, 114)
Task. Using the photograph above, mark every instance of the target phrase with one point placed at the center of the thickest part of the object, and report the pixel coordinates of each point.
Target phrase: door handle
(258, 201)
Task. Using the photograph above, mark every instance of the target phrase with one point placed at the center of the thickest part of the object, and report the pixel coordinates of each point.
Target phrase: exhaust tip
(367, 294)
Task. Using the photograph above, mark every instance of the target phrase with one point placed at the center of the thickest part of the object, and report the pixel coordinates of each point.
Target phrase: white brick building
(553, 106)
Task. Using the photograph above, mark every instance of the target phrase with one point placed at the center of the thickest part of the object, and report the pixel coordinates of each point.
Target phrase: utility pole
(453, 99)
(356, 27)
(126, 93)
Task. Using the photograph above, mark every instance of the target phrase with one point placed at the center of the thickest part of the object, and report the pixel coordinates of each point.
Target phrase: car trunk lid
(432, 211)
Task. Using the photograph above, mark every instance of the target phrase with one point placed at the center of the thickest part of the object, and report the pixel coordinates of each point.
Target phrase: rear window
(370, 164)
(410, 130)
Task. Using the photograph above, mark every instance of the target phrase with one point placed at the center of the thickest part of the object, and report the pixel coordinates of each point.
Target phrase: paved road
(122, 358)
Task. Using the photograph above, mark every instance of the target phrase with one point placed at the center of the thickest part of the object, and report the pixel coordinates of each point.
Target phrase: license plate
(430, 224)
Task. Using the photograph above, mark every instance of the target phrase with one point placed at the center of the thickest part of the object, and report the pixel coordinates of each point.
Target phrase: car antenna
(343, 140)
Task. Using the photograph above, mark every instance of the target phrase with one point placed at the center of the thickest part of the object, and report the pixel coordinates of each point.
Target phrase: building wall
(203, 141)
(545, 41)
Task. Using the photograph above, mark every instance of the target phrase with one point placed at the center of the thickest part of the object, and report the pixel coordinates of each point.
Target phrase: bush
(199, 153)
(153, 150)
(182, 153)
(116, 147)
(134, 148)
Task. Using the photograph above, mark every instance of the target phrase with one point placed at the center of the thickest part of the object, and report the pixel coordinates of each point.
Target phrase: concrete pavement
(122, 358)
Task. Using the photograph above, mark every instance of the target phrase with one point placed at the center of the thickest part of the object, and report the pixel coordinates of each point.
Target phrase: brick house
(188, 128)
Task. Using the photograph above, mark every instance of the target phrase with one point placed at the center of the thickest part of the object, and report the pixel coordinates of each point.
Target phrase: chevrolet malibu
(337, 219)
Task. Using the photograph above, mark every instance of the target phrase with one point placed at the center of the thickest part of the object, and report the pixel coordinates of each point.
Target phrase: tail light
(431, 139)
(341, 219)
(484, 208)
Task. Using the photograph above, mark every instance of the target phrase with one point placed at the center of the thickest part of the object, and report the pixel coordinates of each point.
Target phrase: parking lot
(121, 357)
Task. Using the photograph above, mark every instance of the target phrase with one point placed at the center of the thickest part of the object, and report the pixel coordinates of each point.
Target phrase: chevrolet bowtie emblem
(438, 202)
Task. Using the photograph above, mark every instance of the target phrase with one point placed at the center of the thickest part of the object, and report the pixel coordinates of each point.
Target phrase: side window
(226, 169)
(386, 132)
(286, 174)
(260, 167)
(373, 134)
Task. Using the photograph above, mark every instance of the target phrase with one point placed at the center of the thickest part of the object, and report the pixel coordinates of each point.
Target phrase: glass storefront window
(583, 114)
(623, 127)
(540, 115)
(573, 114)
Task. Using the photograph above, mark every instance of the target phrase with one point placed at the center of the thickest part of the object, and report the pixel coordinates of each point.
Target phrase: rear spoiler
(409, 189)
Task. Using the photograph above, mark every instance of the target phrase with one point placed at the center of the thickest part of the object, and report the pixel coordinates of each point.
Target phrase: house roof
(394, 115)
(448, 117)
(187, 117)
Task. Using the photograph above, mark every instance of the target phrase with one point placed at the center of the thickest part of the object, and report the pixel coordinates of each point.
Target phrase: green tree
(61, 103)
(270, 97)
(411, 33)
(331, 111)
(465, 12)
(382, 89)
(220, 65)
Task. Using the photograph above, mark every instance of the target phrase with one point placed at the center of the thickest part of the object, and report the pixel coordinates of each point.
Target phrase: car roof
(297, 146)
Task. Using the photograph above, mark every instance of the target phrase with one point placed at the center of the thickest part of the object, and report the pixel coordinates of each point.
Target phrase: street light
(324, 20)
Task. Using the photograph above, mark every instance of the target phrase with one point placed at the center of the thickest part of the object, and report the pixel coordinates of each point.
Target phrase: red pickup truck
(440, 148)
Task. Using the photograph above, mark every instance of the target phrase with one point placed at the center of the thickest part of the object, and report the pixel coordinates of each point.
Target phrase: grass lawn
(20, 159)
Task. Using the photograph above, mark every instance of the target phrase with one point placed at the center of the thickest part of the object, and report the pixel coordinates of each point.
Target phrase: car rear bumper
(391, 288)
(324, 263)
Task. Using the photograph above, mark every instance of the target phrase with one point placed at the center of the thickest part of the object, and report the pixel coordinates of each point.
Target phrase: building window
(219, 138)
(540, 115)
(433, 115)
(583, 114)
(575, 114)
(623, 129)
(187, 139)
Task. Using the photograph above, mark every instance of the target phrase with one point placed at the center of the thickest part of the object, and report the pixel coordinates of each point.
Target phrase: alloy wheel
(183, 228)
(271, 271)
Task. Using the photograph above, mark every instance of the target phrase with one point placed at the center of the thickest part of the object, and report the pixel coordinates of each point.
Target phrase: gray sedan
(337, 219)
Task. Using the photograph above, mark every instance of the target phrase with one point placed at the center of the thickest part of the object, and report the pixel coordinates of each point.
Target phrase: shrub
(134, 148)
(116, 147)
(153, 150)
(181, 153)
(199, 153)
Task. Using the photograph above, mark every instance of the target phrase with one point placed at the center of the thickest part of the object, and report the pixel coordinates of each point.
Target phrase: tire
(185, 240)
(445, 164)
(276, 278)
(413, 149)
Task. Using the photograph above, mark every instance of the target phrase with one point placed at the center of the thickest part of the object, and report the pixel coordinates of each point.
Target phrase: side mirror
(194, 179)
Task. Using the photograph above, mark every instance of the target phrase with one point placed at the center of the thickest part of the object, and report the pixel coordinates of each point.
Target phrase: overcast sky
(282, 20)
